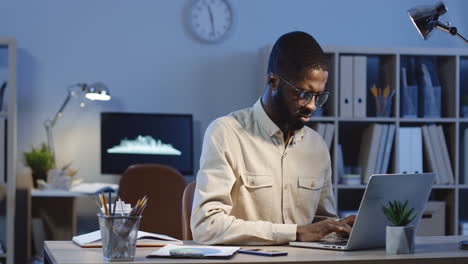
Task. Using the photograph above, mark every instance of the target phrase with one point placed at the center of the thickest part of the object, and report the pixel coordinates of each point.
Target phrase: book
(409, 96)
(194, 251)
(3, 150)
(381, 149)
(369, 150)
(449, 178)
(2, 94)
(388, 148)
(437, 147)
(340, 161)
(409, 150)
(346, 86)
(429, 153)
(144, 239)
(359, 86)
(465, 158)
(329, 132)
(429, 88)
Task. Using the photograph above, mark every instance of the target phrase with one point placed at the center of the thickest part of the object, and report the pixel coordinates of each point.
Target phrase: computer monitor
(139, 138)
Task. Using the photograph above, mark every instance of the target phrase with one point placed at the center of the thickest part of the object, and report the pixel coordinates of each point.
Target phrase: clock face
(211, 20)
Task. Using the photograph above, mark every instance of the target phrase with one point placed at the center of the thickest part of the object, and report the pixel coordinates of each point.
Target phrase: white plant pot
(400, 239)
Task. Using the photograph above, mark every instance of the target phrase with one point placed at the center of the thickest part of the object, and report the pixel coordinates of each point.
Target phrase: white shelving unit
(348, 130)
(8, 182)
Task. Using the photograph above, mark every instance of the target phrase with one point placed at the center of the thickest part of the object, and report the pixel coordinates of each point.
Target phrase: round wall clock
(211, 20)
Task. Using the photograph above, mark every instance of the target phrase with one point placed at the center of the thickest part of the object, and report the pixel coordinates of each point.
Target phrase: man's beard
(292, 121)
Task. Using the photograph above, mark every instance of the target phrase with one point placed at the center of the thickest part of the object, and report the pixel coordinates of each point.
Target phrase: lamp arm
(449, 29)
(460, 36)
(49, 124)
(62, 107)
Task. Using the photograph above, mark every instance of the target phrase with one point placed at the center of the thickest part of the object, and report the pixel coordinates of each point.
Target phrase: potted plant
(40, 160)
(400, 236)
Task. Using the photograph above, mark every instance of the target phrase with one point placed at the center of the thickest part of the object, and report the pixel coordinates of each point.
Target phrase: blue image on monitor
(141, 138)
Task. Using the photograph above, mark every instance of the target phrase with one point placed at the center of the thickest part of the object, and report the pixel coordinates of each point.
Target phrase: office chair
(187, 200)
(164, 187)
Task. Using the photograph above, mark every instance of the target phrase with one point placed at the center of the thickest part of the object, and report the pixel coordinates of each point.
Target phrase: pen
(110, 203)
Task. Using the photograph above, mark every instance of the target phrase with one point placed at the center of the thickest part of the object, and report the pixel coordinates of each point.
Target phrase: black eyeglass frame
(304, 95)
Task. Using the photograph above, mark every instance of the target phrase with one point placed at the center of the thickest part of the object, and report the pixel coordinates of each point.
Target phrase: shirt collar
(269, 125)
(264, 120)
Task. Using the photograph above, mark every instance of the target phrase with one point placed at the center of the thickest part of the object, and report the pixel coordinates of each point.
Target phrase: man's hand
(316, 231)
(349, 220)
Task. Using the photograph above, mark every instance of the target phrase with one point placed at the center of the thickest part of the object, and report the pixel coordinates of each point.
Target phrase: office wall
(144, 52)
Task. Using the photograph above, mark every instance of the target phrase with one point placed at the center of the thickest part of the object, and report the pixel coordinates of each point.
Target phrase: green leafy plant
(398, 213)
(40, 160)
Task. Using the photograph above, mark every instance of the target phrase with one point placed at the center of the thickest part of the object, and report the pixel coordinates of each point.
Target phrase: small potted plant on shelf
(40, 160)
(400, 235)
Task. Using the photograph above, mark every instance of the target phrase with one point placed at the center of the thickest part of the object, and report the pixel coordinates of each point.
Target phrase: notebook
(144, 239)
(369, 228)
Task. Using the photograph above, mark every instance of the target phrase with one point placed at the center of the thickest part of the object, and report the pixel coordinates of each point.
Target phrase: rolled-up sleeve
(326, 207)
(211, 221)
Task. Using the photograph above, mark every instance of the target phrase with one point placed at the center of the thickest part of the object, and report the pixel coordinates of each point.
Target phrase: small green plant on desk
(400, 236)
(398, 213)
(40, 160)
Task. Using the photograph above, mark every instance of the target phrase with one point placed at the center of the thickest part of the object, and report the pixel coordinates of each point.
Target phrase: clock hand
(211, 19)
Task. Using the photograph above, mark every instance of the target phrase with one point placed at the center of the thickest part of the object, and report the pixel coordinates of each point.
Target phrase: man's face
(287, 97)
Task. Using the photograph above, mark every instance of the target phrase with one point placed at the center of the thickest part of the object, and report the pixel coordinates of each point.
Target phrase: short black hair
(294, 53)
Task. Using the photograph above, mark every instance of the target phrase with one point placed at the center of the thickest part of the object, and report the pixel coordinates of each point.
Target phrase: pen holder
(119, 235)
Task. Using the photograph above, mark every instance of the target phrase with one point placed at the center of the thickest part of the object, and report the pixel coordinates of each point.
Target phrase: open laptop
(370, 225)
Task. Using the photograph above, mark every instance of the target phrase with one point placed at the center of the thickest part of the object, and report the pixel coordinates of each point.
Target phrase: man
(264, 177)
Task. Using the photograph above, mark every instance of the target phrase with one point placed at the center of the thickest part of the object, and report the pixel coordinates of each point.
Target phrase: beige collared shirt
(252, 188)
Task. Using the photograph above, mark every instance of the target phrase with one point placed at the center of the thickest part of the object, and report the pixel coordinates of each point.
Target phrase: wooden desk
(429, 250)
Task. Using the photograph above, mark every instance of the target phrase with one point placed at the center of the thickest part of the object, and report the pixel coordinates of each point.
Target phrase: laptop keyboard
(337, 243)
(334, 239)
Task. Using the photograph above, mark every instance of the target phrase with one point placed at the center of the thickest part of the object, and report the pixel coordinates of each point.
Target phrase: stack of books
(375, 150)
(436, 153)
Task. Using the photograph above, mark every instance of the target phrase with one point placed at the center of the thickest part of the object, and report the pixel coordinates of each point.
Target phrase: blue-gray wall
(144, 52)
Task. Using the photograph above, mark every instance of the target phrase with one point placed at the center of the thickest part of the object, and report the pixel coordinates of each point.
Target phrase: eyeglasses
(304, 97)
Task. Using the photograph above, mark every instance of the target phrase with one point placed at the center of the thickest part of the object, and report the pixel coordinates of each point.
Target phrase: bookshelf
(8, 149)
(452, 70)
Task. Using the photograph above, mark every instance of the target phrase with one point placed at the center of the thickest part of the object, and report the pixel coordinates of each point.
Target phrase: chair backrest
(164, 187)
(187, 200)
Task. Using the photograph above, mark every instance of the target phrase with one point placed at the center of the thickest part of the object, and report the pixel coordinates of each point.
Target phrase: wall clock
(211, 20)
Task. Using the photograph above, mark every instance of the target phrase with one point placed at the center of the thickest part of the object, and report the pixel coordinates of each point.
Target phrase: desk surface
(428, 250)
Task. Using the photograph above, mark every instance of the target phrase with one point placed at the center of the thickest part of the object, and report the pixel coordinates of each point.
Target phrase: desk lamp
(95, 91)
(426, 18)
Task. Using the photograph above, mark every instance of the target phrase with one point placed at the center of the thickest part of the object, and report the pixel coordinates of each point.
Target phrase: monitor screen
(136, 138)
